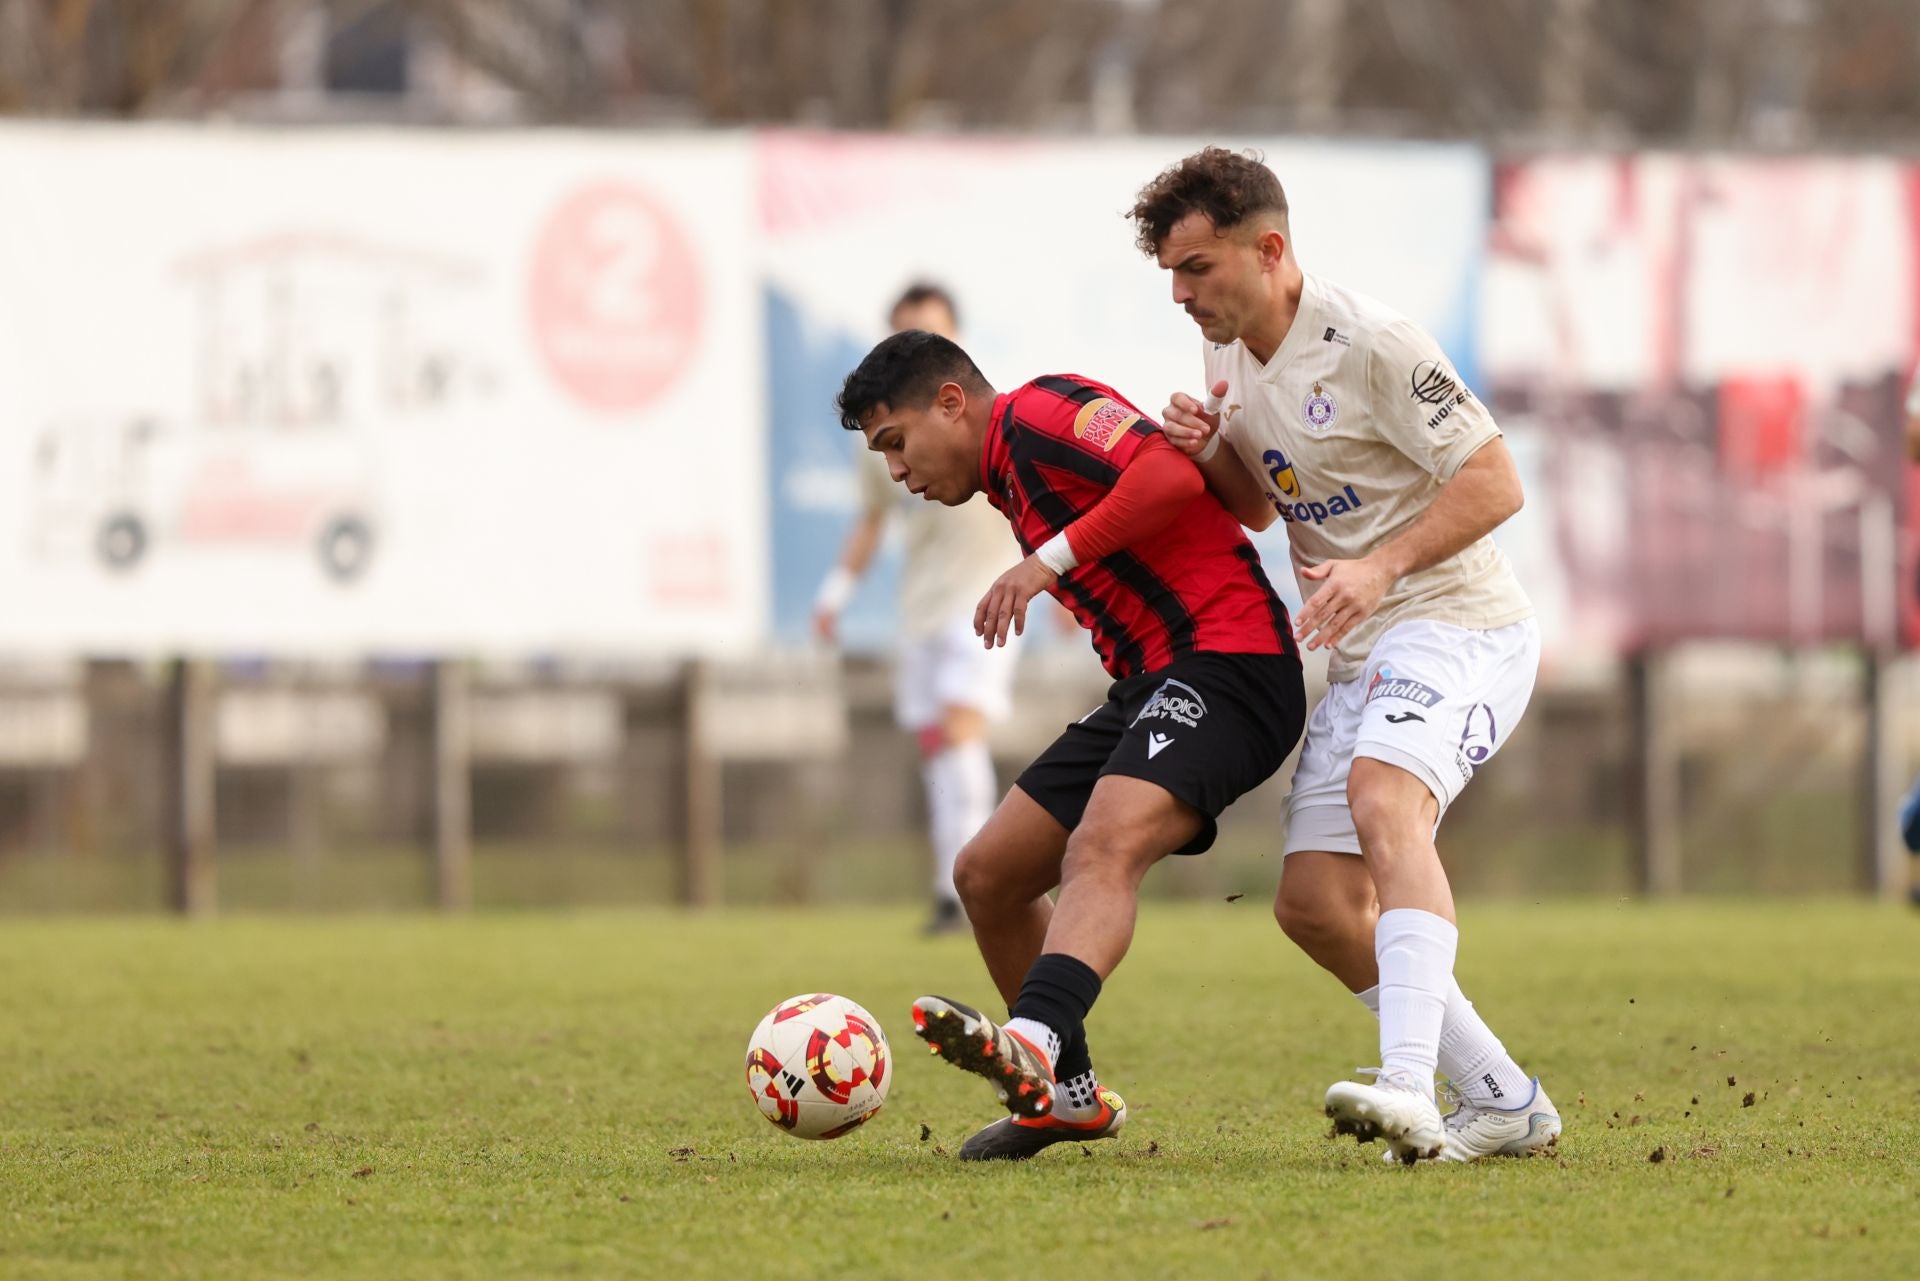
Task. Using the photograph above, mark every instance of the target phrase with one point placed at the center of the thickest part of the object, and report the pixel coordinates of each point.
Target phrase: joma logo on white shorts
(1176, 702)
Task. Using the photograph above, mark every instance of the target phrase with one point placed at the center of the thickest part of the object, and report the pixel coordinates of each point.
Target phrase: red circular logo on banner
(615, 297)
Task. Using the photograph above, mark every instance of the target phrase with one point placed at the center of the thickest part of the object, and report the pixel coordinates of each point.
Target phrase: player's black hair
(1229, 187)
(924, 291)
(905, 372)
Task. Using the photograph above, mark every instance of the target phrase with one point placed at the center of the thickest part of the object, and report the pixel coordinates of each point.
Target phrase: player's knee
(973, 877)
(1387, 805)
(1316, 919)
(1294, 918)
(1099, 848)
(960, 724)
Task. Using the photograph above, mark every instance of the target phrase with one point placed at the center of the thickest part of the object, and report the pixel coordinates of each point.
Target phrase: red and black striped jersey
(1053, 450)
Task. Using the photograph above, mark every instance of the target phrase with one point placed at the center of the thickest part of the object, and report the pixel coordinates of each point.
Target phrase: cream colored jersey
(1352, 428)
(953, 554)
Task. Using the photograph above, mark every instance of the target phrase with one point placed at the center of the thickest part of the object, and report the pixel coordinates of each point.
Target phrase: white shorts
(951, 667)
(1435, 700)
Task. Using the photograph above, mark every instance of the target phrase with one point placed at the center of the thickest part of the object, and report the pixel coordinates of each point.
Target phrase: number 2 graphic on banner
(615, 297)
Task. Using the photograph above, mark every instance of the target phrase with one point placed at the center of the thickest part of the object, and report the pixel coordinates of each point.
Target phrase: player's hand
(826, 626)
(1005, 604)
(1350, 591)
(1186, 423)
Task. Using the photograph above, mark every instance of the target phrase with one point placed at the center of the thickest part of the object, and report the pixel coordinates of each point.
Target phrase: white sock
(1415, 950)
(1078, 1099)
(1471, 1056)
(960, 788)
(1038, 1035)
(1475, 1061)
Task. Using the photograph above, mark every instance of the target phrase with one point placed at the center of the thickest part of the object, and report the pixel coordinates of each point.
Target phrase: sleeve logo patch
(1434, 384)
(1103, 422)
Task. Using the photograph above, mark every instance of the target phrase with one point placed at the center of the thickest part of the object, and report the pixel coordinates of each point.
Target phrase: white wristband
(1057, 554)
(1212, 406)
(835, 590)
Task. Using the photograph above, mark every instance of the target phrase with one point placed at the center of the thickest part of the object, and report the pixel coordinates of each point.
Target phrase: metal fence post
(701, 797)
(189, 754)
(1655, 775)
(452, 786)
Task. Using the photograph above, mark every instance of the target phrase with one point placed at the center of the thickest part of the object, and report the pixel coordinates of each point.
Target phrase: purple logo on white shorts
(1478, 738)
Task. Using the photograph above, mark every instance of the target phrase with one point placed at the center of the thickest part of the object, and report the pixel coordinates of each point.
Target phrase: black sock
(1074, 1059)
(1059, 991)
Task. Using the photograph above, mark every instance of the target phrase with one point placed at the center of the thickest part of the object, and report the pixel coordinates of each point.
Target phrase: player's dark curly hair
(1227, 186)
(905, 372)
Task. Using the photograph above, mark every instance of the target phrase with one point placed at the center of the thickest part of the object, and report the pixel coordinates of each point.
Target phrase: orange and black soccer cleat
(1015, 1138)
(966, 1038)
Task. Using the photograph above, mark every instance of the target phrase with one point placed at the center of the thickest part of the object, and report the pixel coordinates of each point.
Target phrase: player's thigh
(1393, 808)
(1016, 854)
(1317, 816)
(1209, 728)
(1131, 824)
(1508, 667)
(1440, 701)
(968, 676)
(916, 701)
(1060, 781)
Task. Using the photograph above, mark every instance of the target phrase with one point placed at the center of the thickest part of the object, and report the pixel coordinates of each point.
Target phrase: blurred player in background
(1206, 700)
(1346, 420)
(947, 687)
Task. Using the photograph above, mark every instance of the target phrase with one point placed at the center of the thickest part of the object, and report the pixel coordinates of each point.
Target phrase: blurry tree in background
(1747, 73)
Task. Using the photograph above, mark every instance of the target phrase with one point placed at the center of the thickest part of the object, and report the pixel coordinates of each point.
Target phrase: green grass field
(563, 1095)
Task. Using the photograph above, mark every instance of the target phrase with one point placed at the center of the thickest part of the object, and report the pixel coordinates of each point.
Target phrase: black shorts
(1207, 727)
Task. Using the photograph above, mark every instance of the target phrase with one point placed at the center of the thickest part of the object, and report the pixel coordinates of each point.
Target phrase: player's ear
(952, 399)
(1272, 248)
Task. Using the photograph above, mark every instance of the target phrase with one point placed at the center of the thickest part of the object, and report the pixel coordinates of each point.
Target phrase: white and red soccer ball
(818, 1066)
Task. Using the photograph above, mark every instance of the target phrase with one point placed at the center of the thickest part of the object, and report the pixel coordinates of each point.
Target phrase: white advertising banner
(379, 392)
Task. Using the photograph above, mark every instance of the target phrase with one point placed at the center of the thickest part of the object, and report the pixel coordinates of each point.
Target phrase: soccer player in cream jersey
(1345, 419)
(947, 687)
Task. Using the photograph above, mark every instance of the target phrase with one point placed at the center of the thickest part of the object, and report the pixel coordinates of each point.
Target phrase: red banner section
(1715, 354)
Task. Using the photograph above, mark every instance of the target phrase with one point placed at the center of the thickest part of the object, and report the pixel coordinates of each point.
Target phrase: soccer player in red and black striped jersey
(1206, 700)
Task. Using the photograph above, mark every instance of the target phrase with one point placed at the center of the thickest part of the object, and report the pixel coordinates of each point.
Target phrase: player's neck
(1264, 337)
(978, 418)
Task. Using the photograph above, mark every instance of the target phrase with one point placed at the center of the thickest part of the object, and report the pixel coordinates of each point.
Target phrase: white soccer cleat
(1474, 1132)
(1396, 1109)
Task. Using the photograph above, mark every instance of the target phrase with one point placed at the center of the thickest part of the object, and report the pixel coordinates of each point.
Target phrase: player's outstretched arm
(1194, 429)
(1157, 484)
(1482, 495)
(836, 589)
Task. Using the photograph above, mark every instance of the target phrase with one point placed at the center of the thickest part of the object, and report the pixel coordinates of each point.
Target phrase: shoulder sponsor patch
(1102, 422)
(1434, 384)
